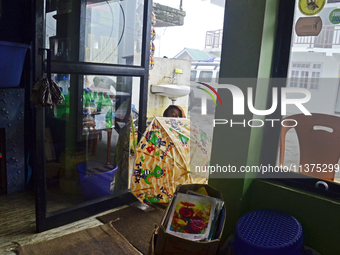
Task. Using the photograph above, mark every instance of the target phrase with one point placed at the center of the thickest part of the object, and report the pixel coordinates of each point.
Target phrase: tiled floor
(17, 222)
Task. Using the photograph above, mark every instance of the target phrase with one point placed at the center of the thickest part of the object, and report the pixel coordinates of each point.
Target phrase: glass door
(97, 54)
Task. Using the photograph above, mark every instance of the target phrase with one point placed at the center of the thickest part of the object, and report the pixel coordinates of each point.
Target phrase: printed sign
(334, 16)
(308, 26)
(311, 7)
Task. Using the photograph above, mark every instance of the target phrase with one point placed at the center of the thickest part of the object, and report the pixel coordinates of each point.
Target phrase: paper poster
(311, 7)
(191, 216)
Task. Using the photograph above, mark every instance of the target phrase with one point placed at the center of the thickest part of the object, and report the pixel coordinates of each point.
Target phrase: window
(305, 71)
(193, 75)
(206, 76)
(305, 75)
(315, 80)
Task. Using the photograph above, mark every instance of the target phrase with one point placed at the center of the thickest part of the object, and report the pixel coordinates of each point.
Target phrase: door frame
(45, 220)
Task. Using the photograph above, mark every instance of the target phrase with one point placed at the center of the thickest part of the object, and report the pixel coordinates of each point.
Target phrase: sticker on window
(308, 26)
(334, 16)
(311, 7)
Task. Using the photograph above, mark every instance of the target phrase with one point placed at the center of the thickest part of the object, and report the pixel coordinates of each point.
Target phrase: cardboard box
(163, 243)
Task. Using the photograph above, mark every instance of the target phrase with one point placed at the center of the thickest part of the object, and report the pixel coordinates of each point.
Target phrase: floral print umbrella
(167, 156)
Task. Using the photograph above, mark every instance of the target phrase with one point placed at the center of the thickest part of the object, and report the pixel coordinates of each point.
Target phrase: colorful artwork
(191, 216)
(166, 156)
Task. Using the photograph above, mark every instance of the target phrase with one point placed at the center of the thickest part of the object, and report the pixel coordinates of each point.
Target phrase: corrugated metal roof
(196, 55)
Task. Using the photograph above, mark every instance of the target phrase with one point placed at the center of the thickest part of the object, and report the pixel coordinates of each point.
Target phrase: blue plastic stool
(268, 232)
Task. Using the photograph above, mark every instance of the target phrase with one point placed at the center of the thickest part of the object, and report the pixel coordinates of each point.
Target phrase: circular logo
(334, 16)
(311, 7)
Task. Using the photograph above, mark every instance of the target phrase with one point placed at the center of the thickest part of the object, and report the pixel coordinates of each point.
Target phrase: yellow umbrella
(167, 156)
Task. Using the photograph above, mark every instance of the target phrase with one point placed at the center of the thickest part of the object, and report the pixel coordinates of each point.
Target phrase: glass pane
(110, 31)
(89, 144)
(205, 76)
(193, 75)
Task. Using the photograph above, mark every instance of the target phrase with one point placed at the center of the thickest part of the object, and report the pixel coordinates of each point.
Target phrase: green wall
(248, 41)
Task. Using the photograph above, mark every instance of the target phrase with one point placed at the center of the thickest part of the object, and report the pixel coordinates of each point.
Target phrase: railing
(329, 36)
(213, 39)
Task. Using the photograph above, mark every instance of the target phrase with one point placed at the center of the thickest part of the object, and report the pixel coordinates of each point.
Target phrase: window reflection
(108, 112)
(111, 32)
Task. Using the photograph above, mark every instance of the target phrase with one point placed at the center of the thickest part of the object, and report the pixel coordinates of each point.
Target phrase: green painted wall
(249, 32)
(262, 86)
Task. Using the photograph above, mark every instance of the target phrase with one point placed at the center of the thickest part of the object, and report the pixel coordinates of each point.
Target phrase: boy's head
(174, 111)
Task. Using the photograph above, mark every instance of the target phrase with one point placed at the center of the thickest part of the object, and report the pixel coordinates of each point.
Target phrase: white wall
(162, 73)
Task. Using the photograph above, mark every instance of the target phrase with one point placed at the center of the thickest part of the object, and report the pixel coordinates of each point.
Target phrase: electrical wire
(121, 36)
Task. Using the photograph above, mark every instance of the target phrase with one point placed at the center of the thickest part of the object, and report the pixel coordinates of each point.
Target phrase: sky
(201, 16)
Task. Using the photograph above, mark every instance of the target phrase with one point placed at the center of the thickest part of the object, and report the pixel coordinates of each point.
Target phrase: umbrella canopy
(167, 156)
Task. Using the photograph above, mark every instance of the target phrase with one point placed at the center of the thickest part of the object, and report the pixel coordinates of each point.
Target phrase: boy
(174, 111)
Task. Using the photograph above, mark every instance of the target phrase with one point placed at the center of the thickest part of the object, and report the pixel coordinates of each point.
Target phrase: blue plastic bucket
(268, 232)
(95, 179)
(12, 56)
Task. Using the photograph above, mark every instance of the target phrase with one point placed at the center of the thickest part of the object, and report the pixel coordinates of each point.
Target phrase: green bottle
(67, 102)
(84, 98)
(100, 101)
(87, 99)
(95, 95)
(96, 98)
(90, 94)
(107, 109)
(61, 108)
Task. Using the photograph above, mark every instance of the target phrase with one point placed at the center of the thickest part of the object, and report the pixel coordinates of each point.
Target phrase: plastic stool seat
(268, 232)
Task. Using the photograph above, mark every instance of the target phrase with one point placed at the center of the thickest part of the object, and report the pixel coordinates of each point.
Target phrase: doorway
(96, 52)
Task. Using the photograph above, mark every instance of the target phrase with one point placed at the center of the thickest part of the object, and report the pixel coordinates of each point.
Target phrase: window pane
(193, 75)
(323, 86)
(206, 76)
(304, 79)
(110, 33)
(89, 136)
(113, 32)
(315, 80)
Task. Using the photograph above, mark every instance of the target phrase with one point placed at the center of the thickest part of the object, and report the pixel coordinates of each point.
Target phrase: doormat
(135, 225)
(101, 240)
